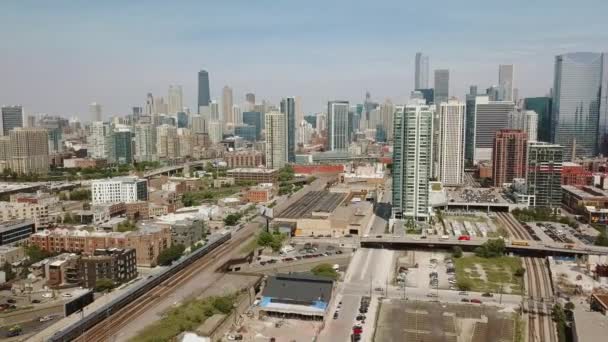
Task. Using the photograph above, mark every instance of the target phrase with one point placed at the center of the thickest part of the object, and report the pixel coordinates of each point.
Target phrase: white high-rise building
(101, 141)
(160, 107)
(321, 122)
(175, 99)
(184, 138)
(237, 115)
(214, 111)
(505, 82)
(276, 140)
(119, 189)
(299, 111)
(387, 110)
(198, 124)
(227, 103)
(167, 142)
(337, 126)
(304, 131)
(527, 121)
(95, 110)
(216, 131)
(450, 170)
(421, 80)
(145, 142)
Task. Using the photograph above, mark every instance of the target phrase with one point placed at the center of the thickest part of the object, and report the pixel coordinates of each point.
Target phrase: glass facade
(442, 86)
(12, 117)
(542, 107)
(544, 173)
(123, 147)
(576, 103)
(288, 107)
(247, 132)
(204, 96)
(254, 119)
(338, 128)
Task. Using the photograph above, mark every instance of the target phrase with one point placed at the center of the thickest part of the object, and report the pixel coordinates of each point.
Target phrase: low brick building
(257, 175)
(259, 194)
(116, 264)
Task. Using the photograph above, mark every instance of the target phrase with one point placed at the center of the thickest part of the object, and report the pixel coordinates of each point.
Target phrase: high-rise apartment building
(227, 103)
(204, 95)
(412, 159)
(450, 169)
(421, 76)
(175, 97)
(338, 130)
(442, 86)
(254, 119)
(119, 189)
(237, 115)
(509, 156)
(387, 110)
(505, 82)
(216, 131)
(490, 116)
(469, 150)
(95, 111)
(29, 150)
(12, 117)
(101, 141)
(214, 111)
(145, 143)
(288, 107)
(123, 145)
(544, 173)
(576, 103)
(299, 110)
(542, 107)
(525, 120)
(167, 143)
(276, 140)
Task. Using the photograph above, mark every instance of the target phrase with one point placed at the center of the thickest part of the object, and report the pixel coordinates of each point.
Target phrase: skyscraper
(451, 142)
(167, 143)
(442, 86)
(29, 150)
(145, 143)
(505, 82)
(123, 146)
(216, 131)
(542, 107)
(148, 108)
(95, 111)
(525, 120)
(12, 117)
(250, 98)
(299, 110)
(509, 156)
(175, 104)
(276, 140)
(227, 104)
(214, 111)
(412, 158)
(254, 119)
(387, 110)
(237, 115)
(288, 107)
(576, 103)
(544, 173)
(489, 117)
(469, 150)
(101, 141)
(421, 75)
(204, 96)
(337, 126)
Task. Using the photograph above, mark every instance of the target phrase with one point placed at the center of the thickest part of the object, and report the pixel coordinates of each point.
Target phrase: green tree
(104, 284)
(168, 255)
(232, 219)
(8, 271)
(126, 226)
(464, 284)
(569, 306)
(223, 304)
(602, 239)
(456, 252)
(286, 173)
(491, 249)
(520, 272)
(36, 254)
(325, 270)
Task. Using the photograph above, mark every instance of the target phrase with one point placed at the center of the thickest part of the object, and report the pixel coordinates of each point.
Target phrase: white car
(67, 295)
(47, 295)
(46, 318)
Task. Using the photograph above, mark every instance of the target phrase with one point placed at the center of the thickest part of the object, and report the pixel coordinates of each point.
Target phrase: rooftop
(251, 170)
(6, 225)
(586, 192)
(299, 287)
(314, 201)
(590, 325)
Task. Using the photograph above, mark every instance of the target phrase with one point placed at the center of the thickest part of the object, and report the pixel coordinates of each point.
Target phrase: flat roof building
(12, 232)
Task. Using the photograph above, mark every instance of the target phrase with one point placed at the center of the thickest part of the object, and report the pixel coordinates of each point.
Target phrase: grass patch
(500, 230)
(187, 316)
(250, 246)
(520, 328)
(497, 271)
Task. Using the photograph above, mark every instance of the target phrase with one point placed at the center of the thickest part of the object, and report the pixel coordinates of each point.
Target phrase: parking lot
(435, 271)
(302, 251)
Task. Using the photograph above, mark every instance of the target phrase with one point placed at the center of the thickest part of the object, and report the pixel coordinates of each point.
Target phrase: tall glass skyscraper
(442, 86)
(204, 96)
(12, 117)
(576, 103)
(422, 71)
(288, 107)
(542, 107)
(337, 126)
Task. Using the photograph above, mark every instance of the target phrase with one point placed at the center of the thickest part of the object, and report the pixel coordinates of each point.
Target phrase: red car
(464, 238)
(357, 330)
(475, 301)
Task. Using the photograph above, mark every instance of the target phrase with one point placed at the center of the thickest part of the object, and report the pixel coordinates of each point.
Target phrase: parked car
(487, 294)
(465, 300)
(477, 301)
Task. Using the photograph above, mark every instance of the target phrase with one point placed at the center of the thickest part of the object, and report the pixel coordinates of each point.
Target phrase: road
(383, 211)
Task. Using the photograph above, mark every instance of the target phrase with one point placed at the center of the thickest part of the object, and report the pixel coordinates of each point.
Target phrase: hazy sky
(58, 56)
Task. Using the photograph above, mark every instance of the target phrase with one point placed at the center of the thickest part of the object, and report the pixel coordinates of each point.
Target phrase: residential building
(175, 100)
(288, 108)
(16, 231)
(84, 163)
(257, 175)
(145, 143)
(542, 107)
(576, 103)
(505, 82)
(119, 189)
(525, 120)
(451, 142)
(574, 174)
(95, 111)
(204, 95)
(11, 254)
(245, 158)
(254, 119)
(442, 86)
(509, 156)
(227, 103)
(116, 264)
(338, 132)
(237, 114)
(101, 141)
(29, 150)
(12, 117)
(421, 75)
(216, 131)
(214, 111)
(259, 194)
(544, 169)
(489, 117)
(123, 145)
(412, 159)
(167, 142)
(38, 213)
(276, 140)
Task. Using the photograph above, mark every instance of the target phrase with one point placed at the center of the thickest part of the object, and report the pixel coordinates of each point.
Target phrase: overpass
(532, 247)
(175, 168)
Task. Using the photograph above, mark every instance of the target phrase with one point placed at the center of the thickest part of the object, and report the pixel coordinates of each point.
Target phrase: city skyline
(86, 64)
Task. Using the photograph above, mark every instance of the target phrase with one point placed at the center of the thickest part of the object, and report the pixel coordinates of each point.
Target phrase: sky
(58, 56)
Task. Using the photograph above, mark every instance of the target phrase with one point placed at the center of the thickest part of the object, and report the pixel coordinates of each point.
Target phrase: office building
(544, 172)
(421, 76)
(214, 111)
(276, 140)
(12, 117)
(299, 110)
(247, 132)
(442, 86)
(227, 103)
(237, 114)
(489, 117)
(505, 82)
(256, 175)
(542, 107)
(16, 231)
(204, 95)
(123, 145)
(145, 143)
(250, 98)
(198, 123)
(254, 119)
(119, 190)
(216, 131)
(175, 100)
(182, 119)
(525, 120)
(116, 264)
(576, 103)
(101, 141)
(387, 110)
(509, 156)
(288, 107)
(29, 150)
(321, 122)
(167, 142)
(450, 170)
(427, 94)
(312, 120)
(95, 111)
(469, 150)
(412, 159)
(338, 130)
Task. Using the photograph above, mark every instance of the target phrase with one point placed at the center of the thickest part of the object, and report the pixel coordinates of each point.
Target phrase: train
(73, 331)
(520, 243)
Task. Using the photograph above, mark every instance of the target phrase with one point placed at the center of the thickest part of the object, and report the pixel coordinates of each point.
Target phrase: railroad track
(539, 288)
(111, 325)
(513, 227)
